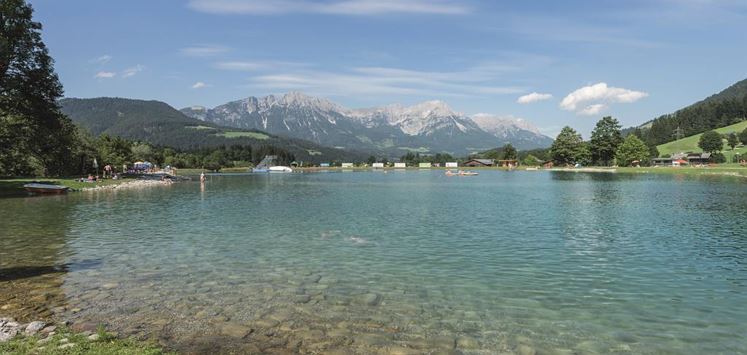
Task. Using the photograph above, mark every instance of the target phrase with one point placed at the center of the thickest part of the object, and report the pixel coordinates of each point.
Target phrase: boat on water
(461, 173)
(280, 169)
(40, 188)
(267, 165)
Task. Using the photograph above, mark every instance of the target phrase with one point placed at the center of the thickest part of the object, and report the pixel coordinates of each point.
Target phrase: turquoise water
(504, 262)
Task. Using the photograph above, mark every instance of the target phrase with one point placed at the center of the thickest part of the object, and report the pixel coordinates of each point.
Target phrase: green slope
(690, 144)
(722, 109)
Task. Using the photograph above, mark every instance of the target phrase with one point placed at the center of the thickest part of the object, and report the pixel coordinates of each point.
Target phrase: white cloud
(592, 99)
(105, 75)
(239, 66)
(592, 109)
(476, 81)
(101, 60)
(203, 50)
(199, 85)
(533, 97)
(129, 72)
(336, 7)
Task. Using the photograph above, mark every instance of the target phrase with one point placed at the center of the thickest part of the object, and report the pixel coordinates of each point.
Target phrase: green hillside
(690, 144)
(722, 109)
(159, 124)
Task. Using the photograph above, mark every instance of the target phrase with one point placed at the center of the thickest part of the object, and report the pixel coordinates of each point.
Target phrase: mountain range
(158, 123)
(428, 127)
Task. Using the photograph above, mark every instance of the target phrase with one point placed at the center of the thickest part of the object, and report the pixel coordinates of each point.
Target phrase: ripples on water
(502, 262)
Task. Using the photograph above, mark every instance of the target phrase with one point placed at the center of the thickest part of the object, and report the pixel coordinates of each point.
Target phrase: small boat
(461, 173)
(280, 169)
(40, 188)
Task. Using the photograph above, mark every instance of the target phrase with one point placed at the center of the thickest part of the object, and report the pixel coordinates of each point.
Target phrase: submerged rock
(465, 342)
(236, 330)
(526, 350)
(371, 299)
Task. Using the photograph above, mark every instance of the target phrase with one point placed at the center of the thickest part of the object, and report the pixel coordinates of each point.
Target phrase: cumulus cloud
(533, 97)
(130, 72)
(592, 109)
(335, 7)
(199, 85)
(592, 99)
(203, 50)
(105, 75)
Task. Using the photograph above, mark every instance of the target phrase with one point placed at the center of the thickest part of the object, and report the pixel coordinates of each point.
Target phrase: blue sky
(553, 63)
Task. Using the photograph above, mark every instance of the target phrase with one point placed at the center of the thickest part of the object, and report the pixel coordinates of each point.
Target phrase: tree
(605, 139)
(568, 147)
(32, 128)
(743, 136)
(632, 149)
(509, 152)
(530, 160)
(711, 142)
(113, 150)
(371, 159)
(732, 140)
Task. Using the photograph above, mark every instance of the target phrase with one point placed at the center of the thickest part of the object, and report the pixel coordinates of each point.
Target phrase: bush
(718, 158)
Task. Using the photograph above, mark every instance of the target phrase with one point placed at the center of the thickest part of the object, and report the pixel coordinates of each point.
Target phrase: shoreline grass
(14, 186)
(66, 341)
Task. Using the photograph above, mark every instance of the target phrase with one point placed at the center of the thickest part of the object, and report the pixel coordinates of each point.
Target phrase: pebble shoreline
(9, 329)
(127, 185)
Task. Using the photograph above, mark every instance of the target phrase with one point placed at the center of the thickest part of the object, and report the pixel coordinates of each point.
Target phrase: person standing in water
(202, 178)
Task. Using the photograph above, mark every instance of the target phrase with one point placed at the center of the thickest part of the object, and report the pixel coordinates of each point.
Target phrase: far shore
(14, 186)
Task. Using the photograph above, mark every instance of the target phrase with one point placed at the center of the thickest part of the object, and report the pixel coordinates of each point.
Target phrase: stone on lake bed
(465, 342)
(371, 299)
(236, 330)
(34, 327)
(301, 298)
(526, 350)
(110, 285)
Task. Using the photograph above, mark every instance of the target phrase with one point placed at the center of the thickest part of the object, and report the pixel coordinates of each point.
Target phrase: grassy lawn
(722, 169)
(199, 127)
(106, 344)
(690, 144)
(14, 187)
(238, 134)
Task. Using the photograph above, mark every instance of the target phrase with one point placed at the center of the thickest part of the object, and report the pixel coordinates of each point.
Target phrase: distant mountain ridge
(158, 123)
(428, 127)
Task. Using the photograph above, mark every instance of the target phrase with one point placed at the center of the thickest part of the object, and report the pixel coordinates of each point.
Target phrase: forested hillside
(722, 109)
(160, 124)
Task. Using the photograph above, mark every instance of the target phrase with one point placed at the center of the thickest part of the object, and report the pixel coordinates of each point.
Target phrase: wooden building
(508, 163)
(479, 162)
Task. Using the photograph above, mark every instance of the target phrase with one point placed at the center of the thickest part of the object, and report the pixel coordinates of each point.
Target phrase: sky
(553, 63)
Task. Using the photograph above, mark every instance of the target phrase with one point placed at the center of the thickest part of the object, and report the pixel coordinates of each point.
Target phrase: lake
(399, 262)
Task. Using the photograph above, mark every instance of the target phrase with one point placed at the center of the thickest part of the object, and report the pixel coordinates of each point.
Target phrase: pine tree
(605, 139)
